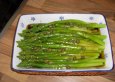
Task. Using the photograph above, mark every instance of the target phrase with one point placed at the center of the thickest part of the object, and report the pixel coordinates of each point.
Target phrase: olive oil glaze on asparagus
(66, 44)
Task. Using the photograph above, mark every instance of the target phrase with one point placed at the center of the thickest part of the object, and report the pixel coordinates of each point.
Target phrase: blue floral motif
(100, 23)
(91, 18)
(106, 55)
(22, 25)
(33, 18)
(61, 18)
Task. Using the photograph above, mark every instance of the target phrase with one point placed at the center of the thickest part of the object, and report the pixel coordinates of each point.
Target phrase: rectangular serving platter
(25, 20)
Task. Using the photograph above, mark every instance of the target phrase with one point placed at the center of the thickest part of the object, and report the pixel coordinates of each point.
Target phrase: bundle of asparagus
(66, 44)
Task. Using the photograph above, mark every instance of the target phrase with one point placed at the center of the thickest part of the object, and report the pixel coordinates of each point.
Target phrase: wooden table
(106, 7)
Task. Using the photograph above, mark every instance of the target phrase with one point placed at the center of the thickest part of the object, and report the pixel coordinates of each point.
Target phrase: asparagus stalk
(82, 64)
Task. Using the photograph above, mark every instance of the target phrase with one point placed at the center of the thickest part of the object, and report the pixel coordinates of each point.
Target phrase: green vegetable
(63, 65)
(66, 44)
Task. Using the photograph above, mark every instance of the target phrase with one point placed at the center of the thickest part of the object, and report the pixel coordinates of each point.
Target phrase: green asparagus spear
(78, 64)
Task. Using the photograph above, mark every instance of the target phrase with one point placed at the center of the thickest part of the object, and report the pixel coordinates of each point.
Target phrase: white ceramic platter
(45, 18)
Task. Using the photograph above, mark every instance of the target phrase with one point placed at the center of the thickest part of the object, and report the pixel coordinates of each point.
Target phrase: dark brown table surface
(105, 7)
